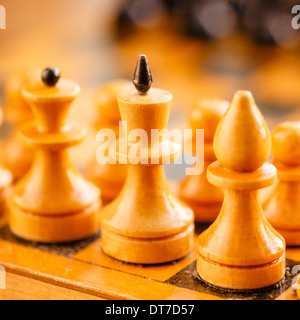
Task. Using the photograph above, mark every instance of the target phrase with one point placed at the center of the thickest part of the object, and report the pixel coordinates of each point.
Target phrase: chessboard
(81, 270)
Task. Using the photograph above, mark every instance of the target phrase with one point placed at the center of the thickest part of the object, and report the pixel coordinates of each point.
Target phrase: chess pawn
(204, 198)
(146, 223)
(5, 182)
(108, 177)
(241, 250)
(283, 207)
(16, 157)
(52, 203)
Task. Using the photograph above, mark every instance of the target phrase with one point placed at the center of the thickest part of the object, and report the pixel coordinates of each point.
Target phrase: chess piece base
(241, 278)
(54, 229)
(148, 251)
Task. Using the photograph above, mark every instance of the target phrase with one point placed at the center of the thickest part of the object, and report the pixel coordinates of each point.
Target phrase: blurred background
(196, 48)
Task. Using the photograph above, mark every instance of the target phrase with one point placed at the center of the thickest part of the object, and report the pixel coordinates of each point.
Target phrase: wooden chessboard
(81, 270)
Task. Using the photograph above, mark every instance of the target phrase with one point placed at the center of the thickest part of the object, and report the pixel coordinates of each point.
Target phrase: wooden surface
(83, 271)
(20, 287)
(89, 278)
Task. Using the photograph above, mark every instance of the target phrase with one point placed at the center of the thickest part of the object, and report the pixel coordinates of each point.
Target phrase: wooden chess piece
(109, 178)
(146, 223)
(5, 182)
(241, 250)
(16, 157)
(204, 198)
(53, 202)
(283, 207)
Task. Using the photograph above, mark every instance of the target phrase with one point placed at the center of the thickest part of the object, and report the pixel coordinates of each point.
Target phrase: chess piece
(108, 177)
(204, 198)
(15, 156)
(5, 182)
(146, 223)
(241, 250)
(283, 207)
(52, 203)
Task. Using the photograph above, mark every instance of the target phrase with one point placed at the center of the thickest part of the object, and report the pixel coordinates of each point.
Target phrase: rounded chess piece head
(50, 100)
(17, 109)
(242, 141)
(206, 114)
(50, 76)
(286, 143)
(106, 104)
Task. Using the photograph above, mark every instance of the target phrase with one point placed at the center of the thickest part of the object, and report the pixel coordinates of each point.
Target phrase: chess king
(241, 250)
(146, 223)
(53, 202)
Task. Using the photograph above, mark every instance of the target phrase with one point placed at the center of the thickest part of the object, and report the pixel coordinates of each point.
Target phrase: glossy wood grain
(86, 277)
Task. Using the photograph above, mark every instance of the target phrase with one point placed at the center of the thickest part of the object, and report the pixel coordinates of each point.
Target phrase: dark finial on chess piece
(50, 76)
(142, 78)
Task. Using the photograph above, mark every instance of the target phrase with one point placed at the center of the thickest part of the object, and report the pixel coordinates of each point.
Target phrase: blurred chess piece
(204, 198)
(15, 156)
(208, 19)
(139, 14)
(108, 177)
(5, 181)
(283, 208)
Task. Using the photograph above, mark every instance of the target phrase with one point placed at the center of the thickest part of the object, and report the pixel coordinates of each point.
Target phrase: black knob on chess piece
(50, 76)
(142, 78)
